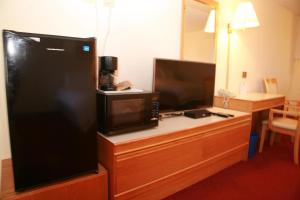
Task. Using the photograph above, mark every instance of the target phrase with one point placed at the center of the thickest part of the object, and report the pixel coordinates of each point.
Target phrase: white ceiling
(293, 5)
(196, 15)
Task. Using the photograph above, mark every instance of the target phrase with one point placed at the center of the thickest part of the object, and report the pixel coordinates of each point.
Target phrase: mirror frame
(214, 5)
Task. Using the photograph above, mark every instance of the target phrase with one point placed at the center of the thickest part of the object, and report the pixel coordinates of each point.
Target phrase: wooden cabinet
(87, 187)
(154, 164)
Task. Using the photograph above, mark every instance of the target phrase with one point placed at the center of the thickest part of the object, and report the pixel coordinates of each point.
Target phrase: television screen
(184, 85)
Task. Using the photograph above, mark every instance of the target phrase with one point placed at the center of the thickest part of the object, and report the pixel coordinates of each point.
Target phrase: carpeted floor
(271, 175)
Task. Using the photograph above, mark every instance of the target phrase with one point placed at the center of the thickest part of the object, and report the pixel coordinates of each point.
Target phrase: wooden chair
(292, 105)
(271, 85)
(285, 122)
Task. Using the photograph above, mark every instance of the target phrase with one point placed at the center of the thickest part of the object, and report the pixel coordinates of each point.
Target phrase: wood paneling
(88, 187)
(174, 157)
(106, 157)
(155, 167)
(175, 182)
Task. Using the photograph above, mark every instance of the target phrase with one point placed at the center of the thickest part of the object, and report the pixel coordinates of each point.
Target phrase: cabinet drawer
(140, 168)
(263, 105)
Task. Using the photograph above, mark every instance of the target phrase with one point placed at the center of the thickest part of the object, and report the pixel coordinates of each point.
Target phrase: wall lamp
(245, 17)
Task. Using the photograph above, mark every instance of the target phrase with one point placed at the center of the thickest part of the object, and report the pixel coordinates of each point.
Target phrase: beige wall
(262, 52)
(140, 30)
(265, 51)
(294, 92)
(293, 5)
(295, 86)
(143, 29)
(297, 36)
(68, 17)
(199, 46)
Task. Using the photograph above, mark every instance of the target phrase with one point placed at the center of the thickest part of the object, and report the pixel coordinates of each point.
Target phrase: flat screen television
(184, 85)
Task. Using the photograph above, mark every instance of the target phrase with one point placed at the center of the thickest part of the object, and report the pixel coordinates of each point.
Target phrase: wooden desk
(87, 187)
(155, 163)
(252, 102)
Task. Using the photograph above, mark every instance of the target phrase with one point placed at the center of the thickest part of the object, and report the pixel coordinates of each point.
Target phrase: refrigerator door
(50, 84)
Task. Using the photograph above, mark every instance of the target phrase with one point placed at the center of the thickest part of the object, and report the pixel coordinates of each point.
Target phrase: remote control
(223, 115)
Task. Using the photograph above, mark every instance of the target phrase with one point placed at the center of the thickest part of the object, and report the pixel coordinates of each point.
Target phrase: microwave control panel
(155, 106)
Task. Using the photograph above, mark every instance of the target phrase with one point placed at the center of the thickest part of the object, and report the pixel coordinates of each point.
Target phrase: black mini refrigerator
(51, 98)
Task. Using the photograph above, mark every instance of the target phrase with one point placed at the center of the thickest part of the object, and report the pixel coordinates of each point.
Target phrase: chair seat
(286, 123)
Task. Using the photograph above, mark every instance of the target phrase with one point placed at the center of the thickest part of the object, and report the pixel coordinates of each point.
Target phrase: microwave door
(126, 112)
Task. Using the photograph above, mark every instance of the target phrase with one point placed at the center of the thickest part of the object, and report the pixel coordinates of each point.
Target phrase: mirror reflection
(198, 32)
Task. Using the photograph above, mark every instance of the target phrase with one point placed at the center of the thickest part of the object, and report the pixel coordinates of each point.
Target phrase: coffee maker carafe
(107, 67)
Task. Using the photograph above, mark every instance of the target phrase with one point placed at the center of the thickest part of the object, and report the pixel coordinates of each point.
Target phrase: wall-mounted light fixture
(245, 17)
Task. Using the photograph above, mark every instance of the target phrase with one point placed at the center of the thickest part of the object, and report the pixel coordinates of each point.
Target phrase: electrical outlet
(109, 3)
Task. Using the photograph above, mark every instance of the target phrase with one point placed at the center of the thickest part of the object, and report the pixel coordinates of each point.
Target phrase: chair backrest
(271, 85)
(292, 105)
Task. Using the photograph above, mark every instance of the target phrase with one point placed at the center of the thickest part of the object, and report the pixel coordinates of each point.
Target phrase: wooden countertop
(251, 102)
(257, 96)
(169, 125)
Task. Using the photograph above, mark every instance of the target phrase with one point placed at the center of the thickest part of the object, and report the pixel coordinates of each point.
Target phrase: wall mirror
(198, 42)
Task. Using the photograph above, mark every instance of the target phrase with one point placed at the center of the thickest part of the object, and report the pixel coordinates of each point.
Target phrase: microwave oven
(121, 112)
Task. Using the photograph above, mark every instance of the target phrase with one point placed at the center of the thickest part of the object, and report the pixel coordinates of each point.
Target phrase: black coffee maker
(107, 67)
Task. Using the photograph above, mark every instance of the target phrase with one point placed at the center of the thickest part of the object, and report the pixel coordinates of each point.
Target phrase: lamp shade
(210, 24)
(245, 16)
